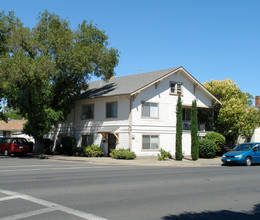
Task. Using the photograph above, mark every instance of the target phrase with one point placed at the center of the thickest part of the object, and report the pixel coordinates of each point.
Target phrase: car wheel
(248, 161)
(6, 153)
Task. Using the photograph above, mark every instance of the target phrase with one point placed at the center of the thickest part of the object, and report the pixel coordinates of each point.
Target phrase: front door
(111, 143)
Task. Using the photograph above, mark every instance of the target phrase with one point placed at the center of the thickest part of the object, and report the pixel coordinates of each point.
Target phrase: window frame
(149, 108)
(116, 109)
(150, 142)
(184, 109)
(88, 134)
(176, 91)
(84, 112)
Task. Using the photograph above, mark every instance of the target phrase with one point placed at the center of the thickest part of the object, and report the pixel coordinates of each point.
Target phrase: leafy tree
(194, 132)
(44, 69)
(234, 117)
(11, 113)
(178, 147)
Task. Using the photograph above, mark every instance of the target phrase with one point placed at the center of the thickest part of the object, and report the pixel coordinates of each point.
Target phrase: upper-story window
(175, 88)
(88, 111)
(150, 110)
(111, 110)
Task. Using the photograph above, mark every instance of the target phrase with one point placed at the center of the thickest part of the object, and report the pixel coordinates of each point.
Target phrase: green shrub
(178, 143)
(78, 151)
(31, 146)
(48, 143)
(207, 148)
(67, 144)
(194, 132)
(164, 154)
(123, 154)
(219, 140)
(93, 151)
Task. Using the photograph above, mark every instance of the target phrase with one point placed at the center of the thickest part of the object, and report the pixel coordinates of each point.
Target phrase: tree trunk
(39, 147)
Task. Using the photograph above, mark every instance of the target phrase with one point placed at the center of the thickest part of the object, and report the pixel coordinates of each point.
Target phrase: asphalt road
(43, 189)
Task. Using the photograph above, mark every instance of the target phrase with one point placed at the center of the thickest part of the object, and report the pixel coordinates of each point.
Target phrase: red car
(14, 146)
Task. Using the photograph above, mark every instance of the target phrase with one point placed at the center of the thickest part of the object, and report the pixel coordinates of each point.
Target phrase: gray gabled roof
(124, 85)
(133, 84)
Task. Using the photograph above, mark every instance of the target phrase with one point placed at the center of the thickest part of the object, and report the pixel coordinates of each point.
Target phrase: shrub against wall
(194, 132)
(67, 145)
(123, 154)
(164, 154)
(178, 146)
(93, 151)
(48, 144)
(219, 140)
(207, 148)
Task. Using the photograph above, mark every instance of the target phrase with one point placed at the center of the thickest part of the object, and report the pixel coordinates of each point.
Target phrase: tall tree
(178, 145)
(194, 132)
(44, 69)
(234, 116)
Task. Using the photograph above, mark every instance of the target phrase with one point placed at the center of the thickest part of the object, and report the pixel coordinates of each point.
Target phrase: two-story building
(137, 112)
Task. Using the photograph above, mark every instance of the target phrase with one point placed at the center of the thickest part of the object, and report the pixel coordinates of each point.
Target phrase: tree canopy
(43, 69)
(236, 116)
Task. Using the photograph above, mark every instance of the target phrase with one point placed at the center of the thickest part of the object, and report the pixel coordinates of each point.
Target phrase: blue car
(246, 153)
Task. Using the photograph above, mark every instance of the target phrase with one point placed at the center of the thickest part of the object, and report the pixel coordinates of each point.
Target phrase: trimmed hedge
(207, 148)
(123, 154)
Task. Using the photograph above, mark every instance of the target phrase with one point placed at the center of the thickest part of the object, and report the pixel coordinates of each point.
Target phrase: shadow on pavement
(217, 215)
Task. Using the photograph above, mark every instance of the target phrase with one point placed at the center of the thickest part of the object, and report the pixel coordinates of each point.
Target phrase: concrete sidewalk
(139, 161)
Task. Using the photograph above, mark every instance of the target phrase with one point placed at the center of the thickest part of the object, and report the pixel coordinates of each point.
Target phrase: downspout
(130, 123)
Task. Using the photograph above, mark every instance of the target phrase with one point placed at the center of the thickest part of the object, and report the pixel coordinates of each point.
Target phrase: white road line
(28, 214)
(53, 168)
(8, 198)
(50, 207)
(26, 166)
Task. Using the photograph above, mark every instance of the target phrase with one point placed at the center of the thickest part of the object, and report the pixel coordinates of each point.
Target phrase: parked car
(246, 153)
(14, 146)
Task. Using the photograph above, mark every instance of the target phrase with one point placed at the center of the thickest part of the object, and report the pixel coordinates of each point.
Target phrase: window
(150, 110)
(88, 111)
(176, 88)
(111, 110)
(150, 142)
(87, 139)
(186, 114)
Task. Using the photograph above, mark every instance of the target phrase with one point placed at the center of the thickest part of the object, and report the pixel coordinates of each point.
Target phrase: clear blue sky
(211, 39)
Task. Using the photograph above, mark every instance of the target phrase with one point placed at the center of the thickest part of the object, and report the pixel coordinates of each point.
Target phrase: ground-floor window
(87, 139)
(150, 142)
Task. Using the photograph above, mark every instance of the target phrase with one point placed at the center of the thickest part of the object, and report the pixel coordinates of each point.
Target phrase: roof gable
(133, 84)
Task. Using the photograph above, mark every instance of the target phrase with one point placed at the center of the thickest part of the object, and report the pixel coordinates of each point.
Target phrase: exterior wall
(165, 124)
(75, 126)
(256, 135)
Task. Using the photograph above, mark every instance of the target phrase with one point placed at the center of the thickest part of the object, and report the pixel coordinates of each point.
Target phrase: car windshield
(243, 147)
